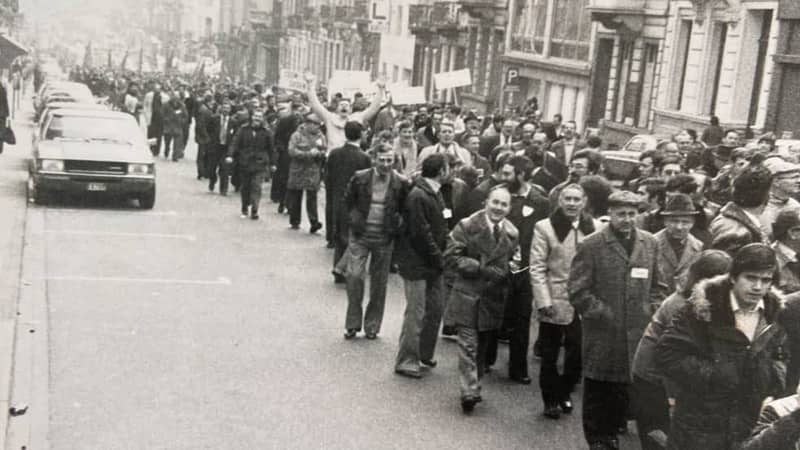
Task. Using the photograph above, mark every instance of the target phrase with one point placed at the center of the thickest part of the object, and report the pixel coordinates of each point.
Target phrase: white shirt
(747, 320)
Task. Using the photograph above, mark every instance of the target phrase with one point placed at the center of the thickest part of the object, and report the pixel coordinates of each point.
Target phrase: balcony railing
(419, 16)
(438, 16)
(617, 5)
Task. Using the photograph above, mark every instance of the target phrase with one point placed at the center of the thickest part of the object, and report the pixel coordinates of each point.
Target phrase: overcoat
(305, 171)
(481, 266)
(674, 271)
(615, 294)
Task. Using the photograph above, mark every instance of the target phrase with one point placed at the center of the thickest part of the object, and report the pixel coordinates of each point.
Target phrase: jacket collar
(562, 225)
(710, 301)
(478, 224)
(613, 242)
(691, 247)
(735, 212)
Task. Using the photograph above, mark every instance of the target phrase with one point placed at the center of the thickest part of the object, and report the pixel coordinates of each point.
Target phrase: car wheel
(34, 193)
(148, 199)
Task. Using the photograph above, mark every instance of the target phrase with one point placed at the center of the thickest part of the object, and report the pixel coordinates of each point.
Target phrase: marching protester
(373, 201)
(253, 148)
(174, 118)
(479, 251)
(307, 150)
(153, 112)
(221, 130)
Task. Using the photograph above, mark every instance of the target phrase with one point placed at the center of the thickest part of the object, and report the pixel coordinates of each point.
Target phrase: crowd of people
(672, 294)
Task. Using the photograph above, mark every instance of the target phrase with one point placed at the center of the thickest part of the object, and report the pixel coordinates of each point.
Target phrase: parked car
(61, 91)
(84, 151)
(52, 106)
(620, 165)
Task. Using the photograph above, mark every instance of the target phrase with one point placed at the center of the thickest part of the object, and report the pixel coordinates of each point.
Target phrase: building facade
(783, 109)
(550, 44)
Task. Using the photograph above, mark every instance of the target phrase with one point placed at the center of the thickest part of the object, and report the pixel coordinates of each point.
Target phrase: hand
(273, 168)
(228, 160)
(381, 81)
(547, 311)
(310, 78)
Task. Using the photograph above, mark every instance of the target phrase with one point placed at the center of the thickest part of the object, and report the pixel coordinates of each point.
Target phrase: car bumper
(99, 184)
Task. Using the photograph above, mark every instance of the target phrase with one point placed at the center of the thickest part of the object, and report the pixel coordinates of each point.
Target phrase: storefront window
(530, 20)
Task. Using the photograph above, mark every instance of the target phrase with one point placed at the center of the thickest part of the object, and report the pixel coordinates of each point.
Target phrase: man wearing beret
(614, 285)
(726, 352)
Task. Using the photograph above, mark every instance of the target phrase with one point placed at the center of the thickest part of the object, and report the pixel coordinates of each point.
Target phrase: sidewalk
(13, 206)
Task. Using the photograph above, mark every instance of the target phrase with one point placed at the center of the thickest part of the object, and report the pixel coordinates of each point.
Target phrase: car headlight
(52, 165)
(140, 169)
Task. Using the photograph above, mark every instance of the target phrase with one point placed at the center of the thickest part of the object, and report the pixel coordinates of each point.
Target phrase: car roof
(77, 105)
(74, 112)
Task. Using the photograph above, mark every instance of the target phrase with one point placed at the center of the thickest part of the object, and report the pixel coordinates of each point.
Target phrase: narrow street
(187, 327)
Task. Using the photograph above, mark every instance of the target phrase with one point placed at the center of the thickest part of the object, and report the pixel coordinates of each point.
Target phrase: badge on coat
(447, 214)
(639, 273)
(526, 211)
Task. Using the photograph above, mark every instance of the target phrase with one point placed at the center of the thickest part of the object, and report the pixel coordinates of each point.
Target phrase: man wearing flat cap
(726, 352)
(614, 285)
(785, 186)
(678, 249)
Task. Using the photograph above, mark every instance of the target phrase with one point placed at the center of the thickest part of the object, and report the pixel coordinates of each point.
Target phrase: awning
(11, 48)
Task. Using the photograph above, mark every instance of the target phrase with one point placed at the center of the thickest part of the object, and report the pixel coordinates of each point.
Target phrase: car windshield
(108, 129)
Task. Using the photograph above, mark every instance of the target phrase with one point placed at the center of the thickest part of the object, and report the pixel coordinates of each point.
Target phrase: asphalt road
(186, 327)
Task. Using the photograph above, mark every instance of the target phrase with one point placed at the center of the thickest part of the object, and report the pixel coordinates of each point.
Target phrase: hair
(714, 121)
(671, 160)
(501, 161)
(404, 124)
(597, 190)
(751, 188)
(571, 186)
(498, 119)
(385, 135)
(785, 221)
(683, 183)
(447, 123)
(353, 130)
(380, 147)
(710, 264)
(731, 243)
(731, 130)
(594, 159)
(654, 155)
(522, 165)
(594, 141)
(741, 152)
(433, 165)
(558, 116)
(754, 257)
(692, 133)
(454, 110)
(655, 188)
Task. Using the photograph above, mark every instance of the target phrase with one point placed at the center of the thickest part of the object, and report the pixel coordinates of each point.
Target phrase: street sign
(454, 79)
(512, 77)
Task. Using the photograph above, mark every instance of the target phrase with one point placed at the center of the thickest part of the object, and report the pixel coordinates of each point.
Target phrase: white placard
(454, 79)
(349, 83)
(360, 77)
(289, 79)
(408, 95)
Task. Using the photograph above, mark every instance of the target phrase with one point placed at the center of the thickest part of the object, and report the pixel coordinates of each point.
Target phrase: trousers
(175, 144)
(650, 408)
(605, 406)
(251, 190)
(380, 256)
(472, 346)
(294, 199)
(155, 131)
(202, 152)
(557, 387)
(421, 322)
(217, 169)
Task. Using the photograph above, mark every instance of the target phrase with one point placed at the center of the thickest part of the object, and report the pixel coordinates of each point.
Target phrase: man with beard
(583, 163)
(479, 251)
(528, 206)
(555, 242)
(253, 148)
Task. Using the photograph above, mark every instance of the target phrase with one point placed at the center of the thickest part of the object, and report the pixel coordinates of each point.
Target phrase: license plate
(96, 187)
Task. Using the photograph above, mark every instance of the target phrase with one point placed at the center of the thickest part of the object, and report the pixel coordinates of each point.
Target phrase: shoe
(331, 244)
(199, 177)
(350, 334)
(211, 188)
(429, 362)
(567, 406)
(243, 215)
(315, 227)
(223, 193)
(408, 373)
(552, 412)
(339, 278)
(521, 380)
(294, 227)
(281, 209)
(371, 336)
(394, 268)
(254, 216)
(468, 404)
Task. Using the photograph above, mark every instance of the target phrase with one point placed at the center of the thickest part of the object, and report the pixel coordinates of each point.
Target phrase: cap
(779, 166)
(471, 116)
(785, 221)
(623, 198)
(679, 205)
(311, 117)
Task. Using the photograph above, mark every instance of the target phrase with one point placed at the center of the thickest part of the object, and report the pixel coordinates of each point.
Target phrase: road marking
(220, 281)
(113, 212)
(186, 237)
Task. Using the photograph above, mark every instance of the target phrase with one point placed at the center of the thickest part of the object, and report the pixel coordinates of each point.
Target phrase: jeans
(471, 355)
(421, 322)
(251, 190)
(174, 143)
(217, 169)
(294, 199)
(557, 387)
(380, 255)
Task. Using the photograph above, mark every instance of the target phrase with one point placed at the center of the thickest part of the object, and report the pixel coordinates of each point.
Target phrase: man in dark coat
(285, 127)
(726, 352)
(221, 130)
(342, 163)
(614, 286)
(4, 111)
(204, 114)
(479, 251)
(528, 206)
(373, 201)
(254, 149)
(421, 263)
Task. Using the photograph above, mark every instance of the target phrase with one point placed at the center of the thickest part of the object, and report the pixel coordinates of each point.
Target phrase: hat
(311, 117)
(786, 220)
(679, 205)
(753, 258)
(623, 198)
(471, 116)
(779, 166)
(723, 152)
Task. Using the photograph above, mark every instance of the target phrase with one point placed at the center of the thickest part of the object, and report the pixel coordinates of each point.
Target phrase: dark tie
(496, 233)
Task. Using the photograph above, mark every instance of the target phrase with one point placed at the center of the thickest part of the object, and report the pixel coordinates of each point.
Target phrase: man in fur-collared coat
(727, 353)
(479, 251)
